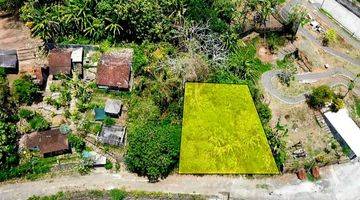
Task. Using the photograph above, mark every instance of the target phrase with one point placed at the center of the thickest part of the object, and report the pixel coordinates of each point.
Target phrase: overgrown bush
(25, 90)
(320, 96)
(108, 165)
(77, 143)
(39, 123)
(108, 121)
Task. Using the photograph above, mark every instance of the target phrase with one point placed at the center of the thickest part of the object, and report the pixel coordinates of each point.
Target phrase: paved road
(342, 15)
(286, 9)
(340, 77)
(313, 10)
(337, 182)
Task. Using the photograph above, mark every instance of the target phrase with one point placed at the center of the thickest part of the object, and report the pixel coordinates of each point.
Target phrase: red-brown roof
(47, 141)
(60, 61)
(114, 70)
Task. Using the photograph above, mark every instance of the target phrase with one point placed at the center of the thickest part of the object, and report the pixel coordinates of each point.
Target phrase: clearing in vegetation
(222, 132)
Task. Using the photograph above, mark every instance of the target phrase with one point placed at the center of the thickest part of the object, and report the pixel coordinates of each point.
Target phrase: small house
(48, 143)
(113, 135)
(114, 71)
(9, 61)
(113, 107)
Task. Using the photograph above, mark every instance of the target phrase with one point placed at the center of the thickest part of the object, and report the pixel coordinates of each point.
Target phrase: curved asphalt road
(344, 75)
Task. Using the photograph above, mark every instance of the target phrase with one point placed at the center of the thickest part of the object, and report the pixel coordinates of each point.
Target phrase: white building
(346, 128)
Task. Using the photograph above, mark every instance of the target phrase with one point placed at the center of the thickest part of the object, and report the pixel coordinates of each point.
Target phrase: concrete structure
(345, 128)
(113, 135)
(96, 159)
(113, 107)
(9, 61)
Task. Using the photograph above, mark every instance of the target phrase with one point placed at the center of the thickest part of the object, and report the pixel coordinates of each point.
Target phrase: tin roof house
(64, 60)
(48, 143)
(114, 71)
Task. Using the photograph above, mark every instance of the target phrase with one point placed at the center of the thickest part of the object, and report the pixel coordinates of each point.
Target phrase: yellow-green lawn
(222, 132)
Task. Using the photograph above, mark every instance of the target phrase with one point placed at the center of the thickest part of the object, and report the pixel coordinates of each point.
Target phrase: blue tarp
(99, 114)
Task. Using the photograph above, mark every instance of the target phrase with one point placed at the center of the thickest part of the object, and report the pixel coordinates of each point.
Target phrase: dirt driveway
(15, 36)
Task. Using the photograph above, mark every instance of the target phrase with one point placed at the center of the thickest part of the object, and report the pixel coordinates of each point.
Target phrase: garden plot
(222, 132)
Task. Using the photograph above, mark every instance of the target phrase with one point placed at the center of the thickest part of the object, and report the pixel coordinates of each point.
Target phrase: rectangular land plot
(222, 132)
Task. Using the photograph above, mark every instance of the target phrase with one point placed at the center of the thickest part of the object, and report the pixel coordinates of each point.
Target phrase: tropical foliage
(25, 90)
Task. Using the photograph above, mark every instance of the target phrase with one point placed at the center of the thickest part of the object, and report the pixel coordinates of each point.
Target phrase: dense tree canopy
(154, 150)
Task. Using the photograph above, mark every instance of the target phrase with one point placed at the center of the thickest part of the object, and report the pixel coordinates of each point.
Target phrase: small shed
(113, 107)
(113, 135)
(96, 159)
(48, 143)
(9, 61)
(99, 114)
(60, 61)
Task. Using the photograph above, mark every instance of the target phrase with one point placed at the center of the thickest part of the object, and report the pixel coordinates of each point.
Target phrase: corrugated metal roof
(347, 129)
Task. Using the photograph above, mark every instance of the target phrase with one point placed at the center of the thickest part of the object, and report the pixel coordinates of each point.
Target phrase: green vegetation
(222, 132)
(153, 150)
(357, 107)
(324, 96)
(25, 90)
(330, 37)
(115, 194)
(77, 143)
(320, 96)
(31, 169)
(119, 20)
(8, 133)
(108, 165)
(36, 121)
(108, 121)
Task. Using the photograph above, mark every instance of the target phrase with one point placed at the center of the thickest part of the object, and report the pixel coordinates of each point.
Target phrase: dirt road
(337, 182)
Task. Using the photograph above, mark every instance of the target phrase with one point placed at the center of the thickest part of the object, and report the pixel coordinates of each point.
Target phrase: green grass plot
(222, 132)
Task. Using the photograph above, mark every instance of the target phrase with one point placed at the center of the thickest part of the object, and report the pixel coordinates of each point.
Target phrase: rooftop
(8, 59)
(46, 142)
(113, 135)
(114, 70)
(113, 106)
(60, 61)
(346, 127)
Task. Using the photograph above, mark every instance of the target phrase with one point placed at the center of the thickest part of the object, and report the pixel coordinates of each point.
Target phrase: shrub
(108, 121)
(25, 90)
(337, 104)
(25, 114)
(108, 165)
(153, 150)
(117, 194)
(38, 123)
(320, 96)
(330, 37)
(77, 143)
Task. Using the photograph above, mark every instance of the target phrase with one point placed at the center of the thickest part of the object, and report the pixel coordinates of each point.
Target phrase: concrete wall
(354, 8)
